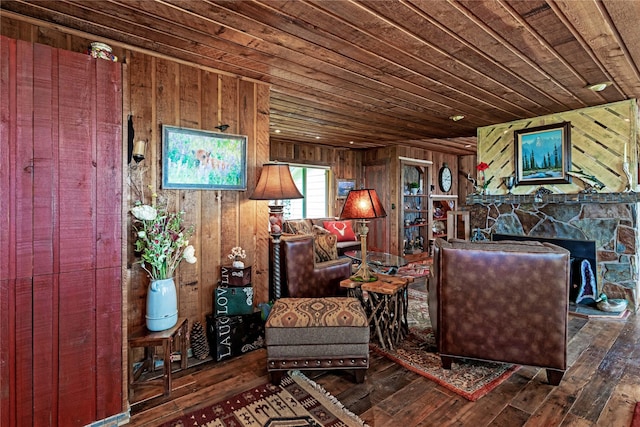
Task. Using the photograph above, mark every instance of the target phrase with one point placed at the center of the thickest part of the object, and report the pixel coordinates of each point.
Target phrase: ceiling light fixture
(277, 131)
(599, 87)
(456, 118)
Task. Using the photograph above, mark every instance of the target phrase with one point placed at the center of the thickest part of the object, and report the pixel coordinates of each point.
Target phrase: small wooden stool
(387, 309)
(148, 339)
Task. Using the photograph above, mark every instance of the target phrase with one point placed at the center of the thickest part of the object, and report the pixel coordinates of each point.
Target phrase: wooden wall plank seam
(246, 212)
(24, 342)
(57, 231)
(261, 155)
(44, 290)
(187, 278)
(209, 233)
(23, 220)
(7, 231)
(44, 393)
(229, 221)
(43, 165)
(77, 212)
(108, 189)
(24, 160)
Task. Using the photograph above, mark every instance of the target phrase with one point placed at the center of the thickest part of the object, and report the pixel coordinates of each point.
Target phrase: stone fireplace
(608, 219)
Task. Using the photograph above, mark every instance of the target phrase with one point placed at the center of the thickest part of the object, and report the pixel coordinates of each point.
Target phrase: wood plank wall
(166, 92)
(159, 91)
(60, 194)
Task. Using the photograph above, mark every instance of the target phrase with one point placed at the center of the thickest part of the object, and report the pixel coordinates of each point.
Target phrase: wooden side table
(353, 289)
(386, 305)
(148, 339)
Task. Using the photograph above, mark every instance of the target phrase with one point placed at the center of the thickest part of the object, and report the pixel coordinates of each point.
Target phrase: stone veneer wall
(610, 219)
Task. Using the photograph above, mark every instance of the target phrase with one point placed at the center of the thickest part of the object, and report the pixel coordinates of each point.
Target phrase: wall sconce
(222, 128)
(139, 148)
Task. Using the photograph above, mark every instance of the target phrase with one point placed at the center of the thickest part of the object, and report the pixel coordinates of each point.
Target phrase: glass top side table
(382, 262)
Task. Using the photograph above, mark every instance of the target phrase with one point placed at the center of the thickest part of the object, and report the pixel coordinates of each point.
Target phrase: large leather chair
(302, 277)
(501, 301)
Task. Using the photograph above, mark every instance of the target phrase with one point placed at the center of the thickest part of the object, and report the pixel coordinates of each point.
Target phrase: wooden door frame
(388, 203)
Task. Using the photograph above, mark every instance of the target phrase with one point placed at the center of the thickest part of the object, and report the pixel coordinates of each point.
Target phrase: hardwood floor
(600, 388)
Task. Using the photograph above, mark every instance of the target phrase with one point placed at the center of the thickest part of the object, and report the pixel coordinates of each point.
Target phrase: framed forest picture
(543, 154)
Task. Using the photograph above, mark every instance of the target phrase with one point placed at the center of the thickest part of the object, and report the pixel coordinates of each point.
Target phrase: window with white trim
(313, 183)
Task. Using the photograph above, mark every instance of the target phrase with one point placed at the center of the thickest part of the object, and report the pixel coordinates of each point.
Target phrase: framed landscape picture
(199, 159)
(543, 154)
(344, 186)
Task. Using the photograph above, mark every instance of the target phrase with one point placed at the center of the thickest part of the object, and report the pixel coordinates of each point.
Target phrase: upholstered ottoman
(317, 334)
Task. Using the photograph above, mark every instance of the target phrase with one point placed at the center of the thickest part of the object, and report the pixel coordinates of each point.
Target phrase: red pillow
(342, 229)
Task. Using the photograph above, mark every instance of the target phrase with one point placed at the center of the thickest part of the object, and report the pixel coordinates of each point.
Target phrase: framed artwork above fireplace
(543, 154)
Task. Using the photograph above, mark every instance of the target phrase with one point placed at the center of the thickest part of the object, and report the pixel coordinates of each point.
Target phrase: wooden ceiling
(362, 74)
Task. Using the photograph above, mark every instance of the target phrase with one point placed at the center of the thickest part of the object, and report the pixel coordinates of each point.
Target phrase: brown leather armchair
(302, 277)
(501, 301)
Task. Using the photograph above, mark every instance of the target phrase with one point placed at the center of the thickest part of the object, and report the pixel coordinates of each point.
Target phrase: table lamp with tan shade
(363, 205)
(276, 184)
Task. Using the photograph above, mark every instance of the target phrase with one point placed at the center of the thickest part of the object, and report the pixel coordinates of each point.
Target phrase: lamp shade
(362, 204)
(276, 183)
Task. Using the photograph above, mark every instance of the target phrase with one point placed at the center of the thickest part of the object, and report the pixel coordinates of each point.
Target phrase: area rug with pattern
(297, 402)
(470, 379)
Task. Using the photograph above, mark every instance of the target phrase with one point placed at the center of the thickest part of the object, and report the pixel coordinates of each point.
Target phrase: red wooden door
(60, 241)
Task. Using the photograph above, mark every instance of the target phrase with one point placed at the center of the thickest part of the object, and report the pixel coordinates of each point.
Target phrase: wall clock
(445, 178)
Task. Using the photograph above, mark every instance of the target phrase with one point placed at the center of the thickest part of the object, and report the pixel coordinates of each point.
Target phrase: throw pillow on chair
(325, 247)
(302, 226)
